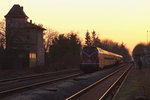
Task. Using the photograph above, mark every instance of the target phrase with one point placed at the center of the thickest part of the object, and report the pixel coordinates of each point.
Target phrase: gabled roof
(16, 12)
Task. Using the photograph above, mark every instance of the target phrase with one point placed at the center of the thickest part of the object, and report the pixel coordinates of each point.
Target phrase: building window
(32, 55)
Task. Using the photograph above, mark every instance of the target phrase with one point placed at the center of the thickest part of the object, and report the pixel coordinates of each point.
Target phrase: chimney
(31, 21)
(21, 8)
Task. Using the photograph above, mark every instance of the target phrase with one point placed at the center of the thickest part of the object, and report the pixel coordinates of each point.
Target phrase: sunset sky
(120, 20)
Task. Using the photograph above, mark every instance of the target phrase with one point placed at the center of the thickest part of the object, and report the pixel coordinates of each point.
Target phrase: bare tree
(2, 41)
(2, 34)
(49, 36)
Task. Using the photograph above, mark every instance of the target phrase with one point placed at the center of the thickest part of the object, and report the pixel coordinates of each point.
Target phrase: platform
(136, 85)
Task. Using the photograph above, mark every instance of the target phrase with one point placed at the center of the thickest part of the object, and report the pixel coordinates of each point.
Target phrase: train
(94, 59)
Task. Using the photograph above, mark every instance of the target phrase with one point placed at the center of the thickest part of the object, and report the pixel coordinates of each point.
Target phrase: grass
(136, 84)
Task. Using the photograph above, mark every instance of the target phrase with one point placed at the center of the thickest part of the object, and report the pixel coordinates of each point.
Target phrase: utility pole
(147, 36)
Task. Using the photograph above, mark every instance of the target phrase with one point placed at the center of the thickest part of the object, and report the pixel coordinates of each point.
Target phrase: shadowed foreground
(137, 85)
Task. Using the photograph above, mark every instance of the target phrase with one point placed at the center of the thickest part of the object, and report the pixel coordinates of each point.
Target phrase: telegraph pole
(147, 36)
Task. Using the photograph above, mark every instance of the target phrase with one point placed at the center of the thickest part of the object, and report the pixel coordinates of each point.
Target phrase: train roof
(100, 50)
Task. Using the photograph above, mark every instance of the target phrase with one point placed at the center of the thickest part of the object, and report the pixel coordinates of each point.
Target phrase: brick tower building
(24, 38)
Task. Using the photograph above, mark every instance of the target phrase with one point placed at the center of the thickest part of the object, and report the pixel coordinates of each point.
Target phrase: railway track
(12, 86)
(34, 76)
(103, 89)
(113, 90)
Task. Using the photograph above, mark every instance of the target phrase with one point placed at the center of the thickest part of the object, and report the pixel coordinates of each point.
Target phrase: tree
(93, 35)
(88, 39)
(2, 41)
(65, 44)
(124, 52)
(75, 43)
(138, 51)
(65, 50)
(114, 47)
(49, 35)
(107, 44)
(95, 40)
(2, 35)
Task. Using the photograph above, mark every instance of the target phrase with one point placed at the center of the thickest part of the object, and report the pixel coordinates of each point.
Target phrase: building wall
(26, 39)
(40, 49)
(14, 29)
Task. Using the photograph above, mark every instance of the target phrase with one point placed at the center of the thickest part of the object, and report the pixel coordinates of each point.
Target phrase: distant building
(25, 38)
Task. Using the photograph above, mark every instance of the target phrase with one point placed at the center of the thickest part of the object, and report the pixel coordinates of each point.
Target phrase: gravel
(60, 90)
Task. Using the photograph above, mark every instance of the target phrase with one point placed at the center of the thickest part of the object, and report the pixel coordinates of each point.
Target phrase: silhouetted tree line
(107, 44)
(140, 50)
(64, 50)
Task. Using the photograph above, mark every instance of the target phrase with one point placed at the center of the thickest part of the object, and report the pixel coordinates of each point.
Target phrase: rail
(34, 76)
(113, 86)
(81, 92)
(36, 84)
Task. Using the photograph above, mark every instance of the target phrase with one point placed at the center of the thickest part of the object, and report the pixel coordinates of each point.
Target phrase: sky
(124, 21)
